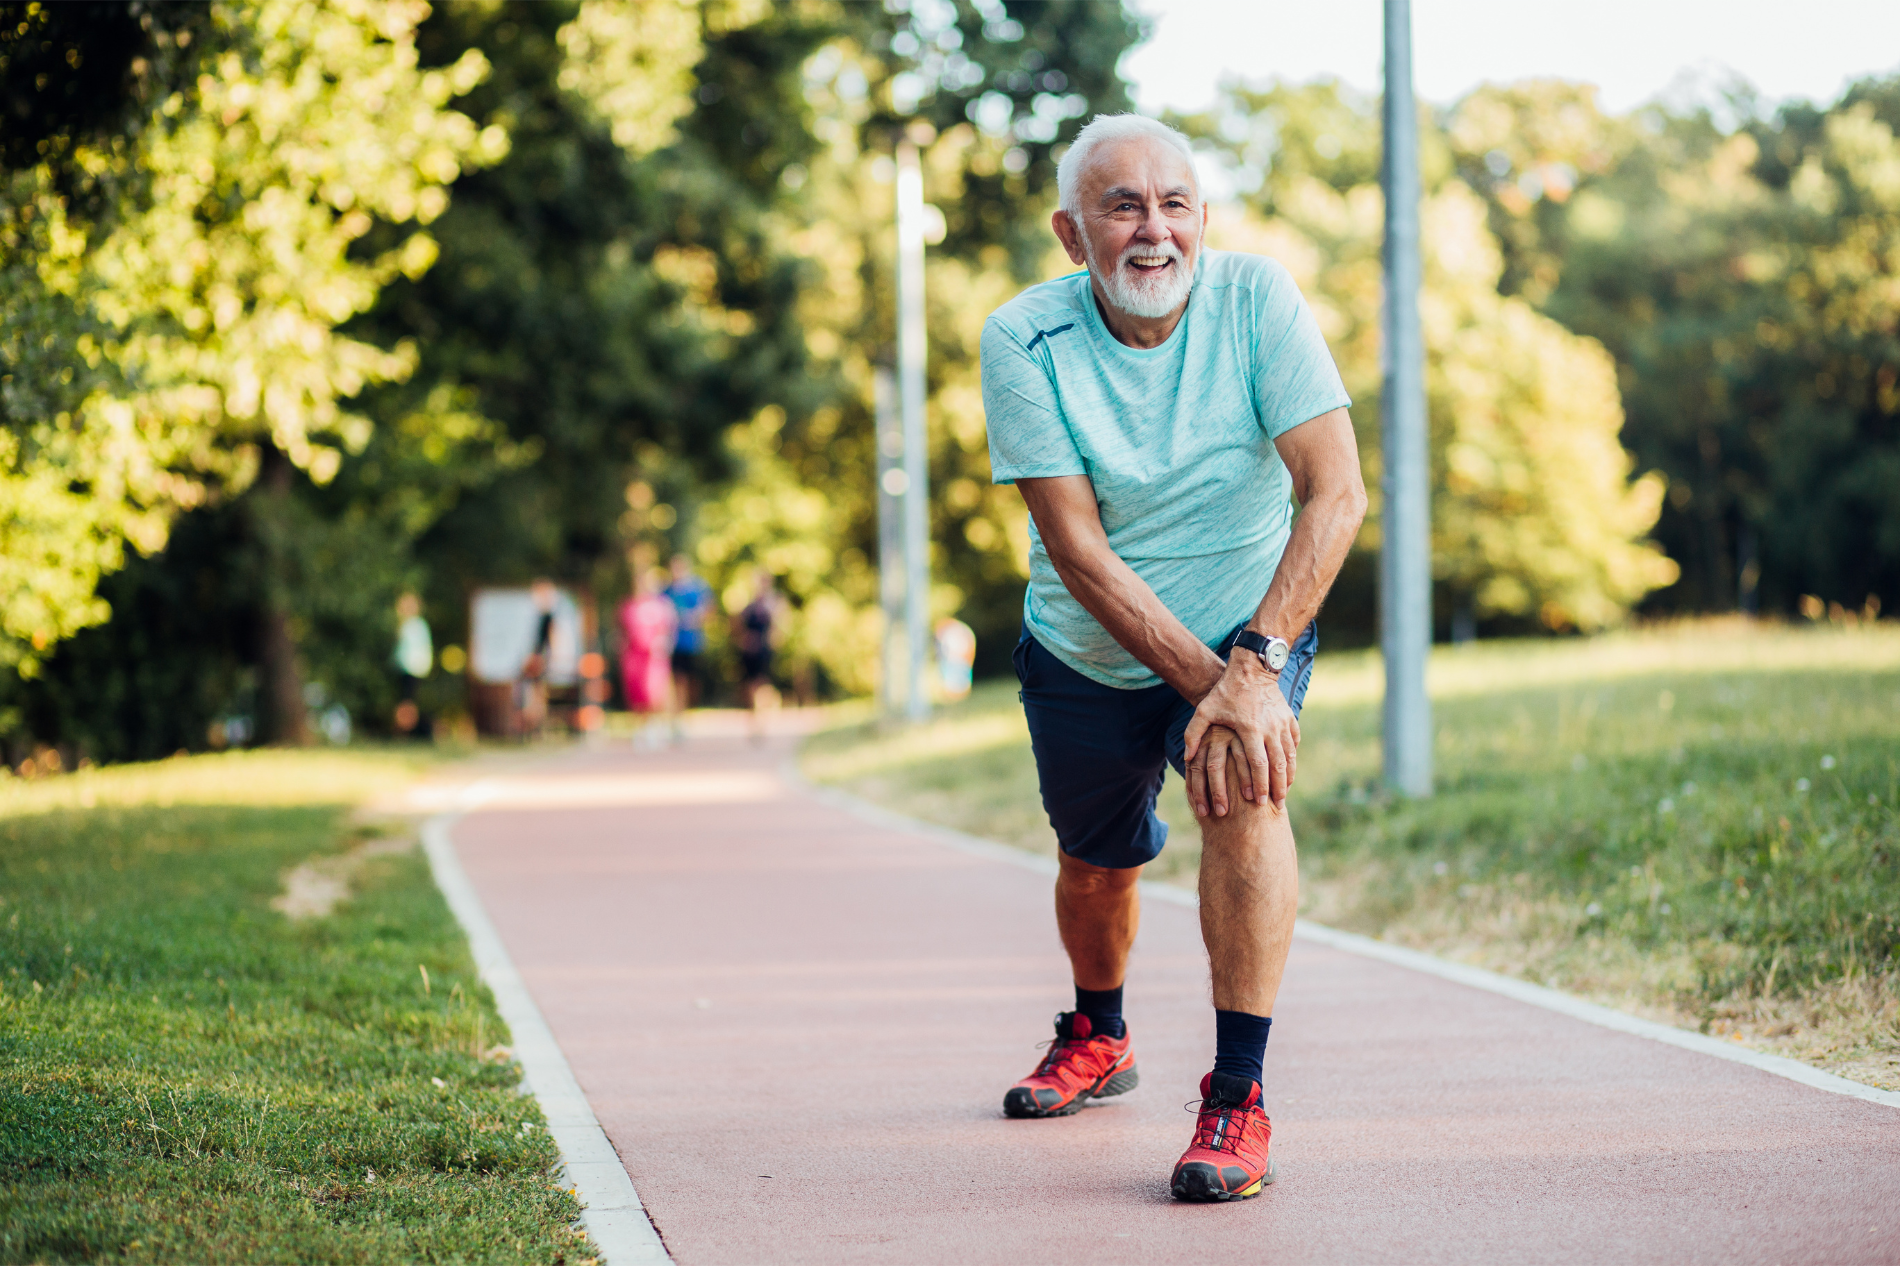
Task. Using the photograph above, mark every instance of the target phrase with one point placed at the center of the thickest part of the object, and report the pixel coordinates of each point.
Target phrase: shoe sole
(1019, 1104)
(1198, 1183)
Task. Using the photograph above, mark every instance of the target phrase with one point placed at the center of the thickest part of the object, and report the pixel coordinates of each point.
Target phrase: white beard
(1147, 296)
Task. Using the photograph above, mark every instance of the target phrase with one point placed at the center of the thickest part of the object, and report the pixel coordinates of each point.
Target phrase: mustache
(1165, 249)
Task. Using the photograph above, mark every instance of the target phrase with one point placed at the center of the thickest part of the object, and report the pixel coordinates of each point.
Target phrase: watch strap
(1263, 647)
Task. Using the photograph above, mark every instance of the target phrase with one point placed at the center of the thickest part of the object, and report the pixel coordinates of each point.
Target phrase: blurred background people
(413, 657)
(532, 689)
(756, 632)
(693, 603)
(649, 624)
(956, 657)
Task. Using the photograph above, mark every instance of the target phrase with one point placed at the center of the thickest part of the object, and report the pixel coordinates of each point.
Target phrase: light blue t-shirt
(1177, 440)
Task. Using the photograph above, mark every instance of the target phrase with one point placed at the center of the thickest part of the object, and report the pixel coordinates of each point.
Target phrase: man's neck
(1134, 331)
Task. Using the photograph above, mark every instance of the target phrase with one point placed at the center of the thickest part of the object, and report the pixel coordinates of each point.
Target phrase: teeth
(1149, 261)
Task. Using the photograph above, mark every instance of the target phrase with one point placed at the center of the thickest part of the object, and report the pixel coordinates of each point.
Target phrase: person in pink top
(648, 625)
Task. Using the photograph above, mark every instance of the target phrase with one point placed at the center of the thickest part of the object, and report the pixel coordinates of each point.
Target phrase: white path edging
(1353, 943)
(611, 1209)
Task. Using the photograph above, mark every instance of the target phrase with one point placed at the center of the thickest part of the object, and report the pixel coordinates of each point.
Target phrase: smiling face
(1140, 226)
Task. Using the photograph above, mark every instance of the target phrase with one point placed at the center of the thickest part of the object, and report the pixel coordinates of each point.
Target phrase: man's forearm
(1109, 590)
(1321, 538)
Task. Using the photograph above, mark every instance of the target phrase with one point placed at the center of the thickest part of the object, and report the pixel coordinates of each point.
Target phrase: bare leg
(1097, 912)
(755, 719)
(1250, 892)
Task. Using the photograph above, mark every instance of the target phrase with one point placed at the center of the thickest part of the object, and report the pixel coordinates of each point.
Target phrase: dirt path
(796, 1027)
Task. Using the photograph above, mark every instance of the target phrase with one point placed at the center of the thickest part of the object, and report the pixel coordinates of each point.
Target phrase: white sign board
(503, 624)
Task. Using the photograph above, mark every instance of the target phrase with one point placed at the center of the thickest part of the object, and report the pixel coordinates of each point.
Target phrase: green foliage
(190, 1076)
(168, 666)
(1743, 280)
(57, 539)
(612, 308)
(177, 283)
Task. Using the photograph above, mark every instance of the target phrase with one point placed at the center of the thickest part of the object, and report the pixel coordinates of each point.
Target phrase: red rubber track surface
(797, 1027)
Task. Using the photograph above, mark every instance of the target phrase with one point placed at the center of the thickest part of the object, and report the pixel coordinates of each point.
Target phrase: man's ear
(1070, 236)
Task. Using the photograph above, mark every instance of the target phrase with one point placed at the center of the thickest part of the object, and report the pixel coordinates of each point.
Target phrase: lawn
(188, 1075)
(1696, 823)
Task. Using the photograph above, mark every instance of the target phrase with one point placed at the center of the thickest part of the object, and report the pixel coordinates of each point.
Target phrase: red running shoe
(1078, 1067)
(1228, 1159)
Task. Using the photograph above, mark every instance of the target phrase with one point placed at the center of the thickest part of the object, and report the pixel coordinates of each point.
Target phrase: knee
(1261, 812)
(1082, 879)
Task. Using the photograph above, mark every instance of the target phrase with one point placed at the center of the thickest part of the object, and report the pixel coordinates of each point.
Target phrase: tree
(1743, 279)
(215, 295)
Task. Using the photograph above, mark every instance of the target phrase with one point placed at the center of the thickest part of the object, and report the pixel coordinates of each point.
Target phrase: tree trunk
(282, 720)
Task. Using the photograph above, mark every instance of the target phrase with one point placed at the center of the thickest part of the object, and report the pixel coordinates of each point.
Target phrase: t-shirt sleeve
(1295, 379)
(1028, 437)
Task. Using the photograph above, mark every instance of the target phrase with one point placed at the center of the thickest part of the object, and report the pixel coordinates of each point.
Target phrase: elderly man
(1160, 414)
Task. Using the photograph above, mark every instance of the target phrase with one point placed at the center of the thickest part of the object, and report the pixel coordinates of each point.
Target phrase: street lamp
(1405, 557)
(915, 485)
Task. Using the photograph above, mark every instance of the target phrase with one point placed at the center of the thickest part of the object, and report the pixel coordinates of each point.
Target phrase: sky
(1633, 50)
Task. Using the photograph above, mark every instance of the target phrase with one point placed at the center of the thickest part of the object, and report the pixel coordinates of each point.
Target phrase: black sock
(1103, 1007)
(1240, 1043)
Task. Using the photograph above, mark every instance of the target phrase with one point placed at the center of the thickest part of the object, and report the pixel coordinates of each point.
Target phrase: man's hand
(1244, 717)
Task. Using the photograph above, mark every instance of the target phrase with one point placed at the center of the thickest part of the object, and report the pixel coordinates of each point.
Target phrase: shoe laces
(1055, 1049)
(1225, 1134)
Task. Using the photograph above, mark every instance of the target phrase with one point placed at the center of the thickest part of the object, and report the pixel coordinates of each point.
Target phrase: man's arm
(1244, 709)
(1070, 524)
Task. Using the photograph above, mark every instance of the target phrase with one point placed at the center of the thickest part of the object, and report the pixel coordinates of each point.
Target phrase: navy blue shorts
(1101, 752)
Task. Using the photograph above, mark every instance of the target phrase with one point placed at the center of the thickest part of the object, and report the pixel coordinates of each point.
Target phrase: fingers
(1256, 778)
(1277, 760)
(1198, 726)
(1220, 742)
(1222, 746)
(1265, 762)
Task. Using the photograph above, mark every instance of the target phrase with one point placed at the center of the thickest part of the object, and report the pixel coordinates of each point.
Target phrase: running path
(796, 1027)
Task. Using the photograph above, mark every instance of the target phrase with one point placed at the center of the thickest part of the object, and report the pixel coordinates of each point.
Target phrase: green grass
(187, 1075)
(1697, 823)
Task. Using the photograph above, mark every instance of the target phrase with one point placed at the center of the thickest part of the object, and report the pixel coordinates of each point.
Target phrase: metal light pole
(1405, 559)
(910, 390)
(890, 532)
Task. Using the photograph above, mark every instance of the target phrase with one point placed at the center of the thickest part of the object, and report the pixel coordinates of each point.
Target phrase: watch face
(1276, 655)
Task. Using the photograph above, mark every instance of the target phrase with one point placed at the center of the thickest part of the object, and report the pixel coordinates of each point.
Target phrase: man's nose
(1154, 226)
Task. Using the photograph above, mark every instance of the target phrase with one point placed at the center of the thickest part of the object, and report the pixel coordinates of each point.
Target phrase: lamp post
(890, 534)
(910, 392)
(1405, 558)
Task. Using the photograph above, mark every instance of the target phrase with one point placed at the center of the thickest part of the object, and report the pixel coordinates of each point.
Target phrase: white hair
(1104, 128)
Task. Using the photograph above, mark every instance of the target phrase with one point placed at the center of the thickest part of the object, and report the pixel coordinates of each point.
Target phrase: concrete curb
(612, 1211)
(1353, 943)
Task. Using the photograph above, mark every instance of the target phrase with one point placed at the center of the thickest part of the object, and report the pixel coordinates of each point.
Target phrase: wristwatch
(1271, 650)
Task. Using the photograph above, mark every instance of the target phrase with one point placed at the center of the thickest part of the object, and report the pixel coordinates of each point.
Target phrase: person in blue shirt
(693, 600)
(1178, 431)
